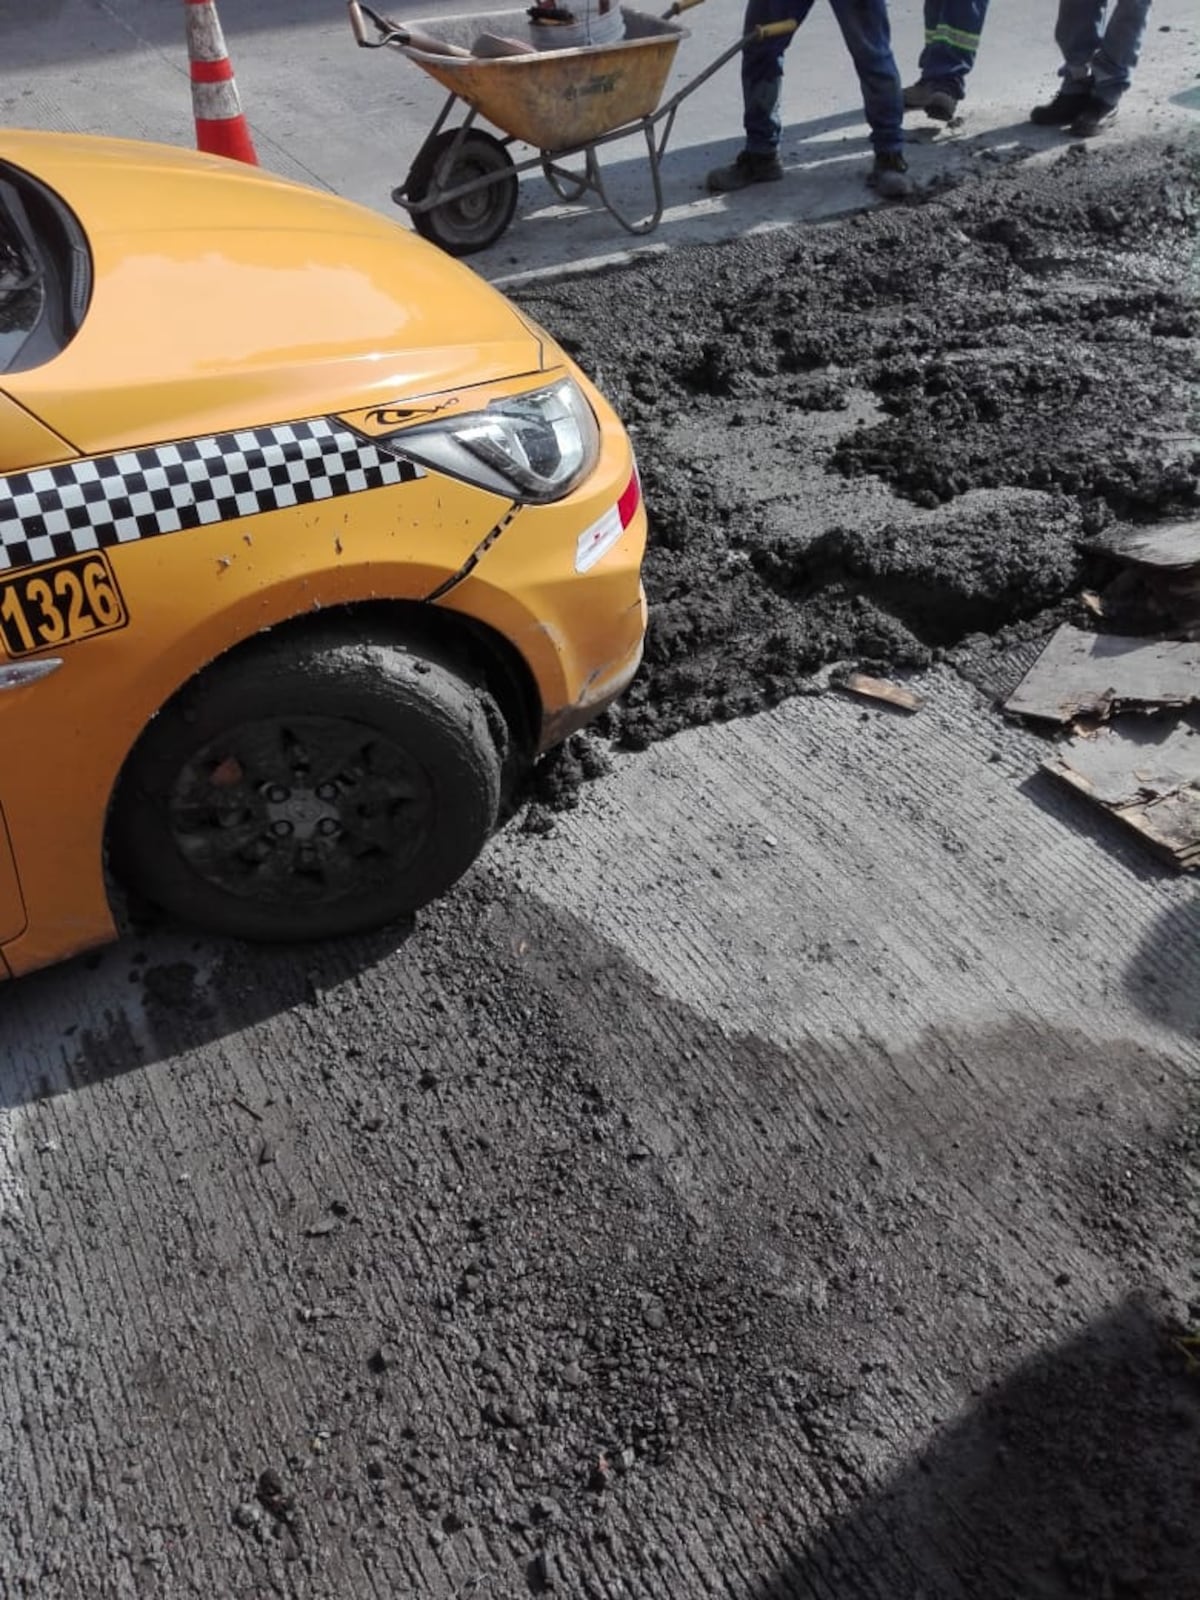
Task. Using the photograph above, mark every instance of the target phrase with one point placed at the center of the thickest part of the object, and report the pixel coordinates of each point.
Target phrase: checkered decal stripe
(138, 494)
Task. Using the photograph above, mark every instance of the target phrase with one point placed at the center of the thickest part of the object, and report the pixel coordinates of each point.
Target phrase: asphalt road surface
(772, 1172)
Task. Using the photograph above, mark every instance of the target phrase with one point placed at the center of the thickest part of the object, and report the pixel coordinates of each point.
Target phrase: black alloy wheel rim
(301, 811)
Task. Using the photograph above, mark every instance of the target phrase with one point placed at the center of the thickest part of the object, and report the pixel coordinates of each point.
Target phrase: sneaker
(890, 176)
(1093, 119)
(1071, 101)
(750, 167)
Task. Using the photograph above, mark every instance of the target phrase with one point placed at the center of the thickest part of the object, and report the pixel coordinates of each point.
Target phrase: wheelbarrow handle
(770, 30)
(678, 6)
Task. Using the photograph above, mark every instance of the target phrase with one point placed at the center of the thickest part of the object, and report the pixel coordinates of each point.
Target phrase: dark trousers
(952, 30)
(864, 25)
(1101, 41)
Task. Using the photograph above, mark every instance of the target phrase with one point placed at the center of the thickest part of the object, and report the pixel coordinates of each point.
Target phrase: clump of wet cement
(1024, 348)
(973, 568)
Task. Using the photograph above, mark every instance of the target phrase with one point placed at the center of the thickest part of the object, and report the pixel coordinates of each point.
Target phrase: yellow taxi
(310, 544)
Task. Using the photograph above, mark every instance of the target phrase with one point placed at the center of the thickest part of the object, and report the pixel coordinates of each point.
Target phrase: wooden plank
(1093, 674)
(1170, 826)
(895, 694)
(1145, 771)
(1136, 757)
(1165, 544)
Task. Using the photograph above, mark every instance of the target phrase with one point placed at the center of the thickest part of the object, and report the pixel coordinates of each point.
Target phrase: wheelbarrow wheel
(473, 221)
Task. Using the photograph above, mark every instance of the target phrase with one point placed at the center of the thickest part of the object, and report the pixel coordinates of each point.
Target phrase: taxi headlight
(532, 448)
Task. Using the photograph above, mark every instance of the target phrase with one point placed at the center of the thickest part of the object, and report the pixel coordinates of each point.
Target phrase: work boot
(917, 95)
(1071, 101)
(1093, 119)
(925, 96)
(750, 167)
(890, 175)
(941, 106)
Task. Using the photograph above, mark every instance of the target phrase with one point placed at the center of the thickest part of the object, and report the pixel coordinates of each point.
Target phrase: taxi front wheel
(302, 789)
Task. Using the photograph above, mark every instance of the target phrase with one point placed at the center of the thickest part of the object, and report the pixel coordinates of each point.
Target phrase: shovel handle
(387, 30)
(393, 33)
(358, 23)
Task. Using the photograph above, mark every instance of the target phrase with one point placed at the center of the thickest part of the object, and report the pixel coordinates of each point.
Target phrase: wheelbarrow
(461, 190)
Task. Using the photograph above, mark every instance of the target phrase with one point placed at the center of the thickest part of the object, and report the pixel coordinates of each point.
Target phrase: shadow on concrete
(1163, 975)
(1074, 1479)
(158, 994)
(823, 181)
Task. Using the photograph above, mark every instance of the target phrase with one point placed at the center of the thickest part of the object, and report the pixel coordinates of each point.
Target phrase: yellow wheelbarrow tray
(461, 189)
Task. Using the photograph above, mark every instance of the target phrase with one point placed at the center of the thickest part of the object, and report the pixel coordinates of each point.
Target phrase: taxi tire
(461, 227)
(417, 698)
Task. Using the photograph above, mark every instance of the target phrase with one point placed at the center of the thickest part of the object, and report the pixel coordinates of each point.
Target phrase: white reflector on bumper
(606, 530)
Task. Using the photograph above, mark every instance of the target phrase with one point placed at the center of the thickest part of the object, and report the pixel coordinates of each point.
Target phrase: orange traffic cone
(221, 129)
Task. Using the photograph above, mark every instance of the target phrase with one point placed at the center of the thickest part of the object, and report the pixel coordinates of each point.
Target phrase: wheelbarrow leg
(567, 185)
(667, 112)
(596, 183)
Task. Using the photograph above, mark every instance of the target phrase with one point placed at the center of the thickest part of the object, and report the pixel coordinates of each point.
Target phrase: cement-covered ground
(778, 1181)
(1016, 362)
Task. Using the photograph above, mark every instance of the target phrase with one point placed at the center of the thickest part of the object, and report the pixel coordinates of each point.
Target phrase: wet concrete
(882, 440)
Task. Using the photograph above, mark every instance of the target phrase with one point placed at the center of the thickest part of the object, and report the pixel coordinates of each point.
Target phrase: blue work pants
(1101, 42)
(864, 25)
(952, 30)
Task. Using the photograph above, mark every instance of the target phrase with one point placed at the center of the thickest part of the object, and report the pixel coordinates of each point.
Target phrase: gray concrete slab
(349, 120)
(978, 1066)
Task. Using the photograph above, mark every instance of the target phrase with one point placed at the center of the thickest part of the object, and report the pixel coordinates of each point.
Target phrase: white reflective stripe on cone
(215, 102)
(206, 42)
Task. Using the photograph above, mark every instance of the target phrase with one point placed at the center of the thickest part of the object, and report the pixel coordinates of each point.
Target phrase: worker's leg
(1077, 35)
(952, 31)
(1117, 56)
(1097, 66)
(762, 72)
(918, 95)
(762, 89)
(864, 25)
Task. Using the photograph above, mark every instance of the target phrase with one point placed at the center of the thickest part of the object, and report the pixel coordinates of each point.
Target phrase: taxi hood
(223, 298)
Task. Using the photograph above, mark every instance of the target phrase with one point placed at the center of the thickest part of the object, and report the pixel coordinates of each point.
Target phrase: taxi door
(24, 444)
(12, 907)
